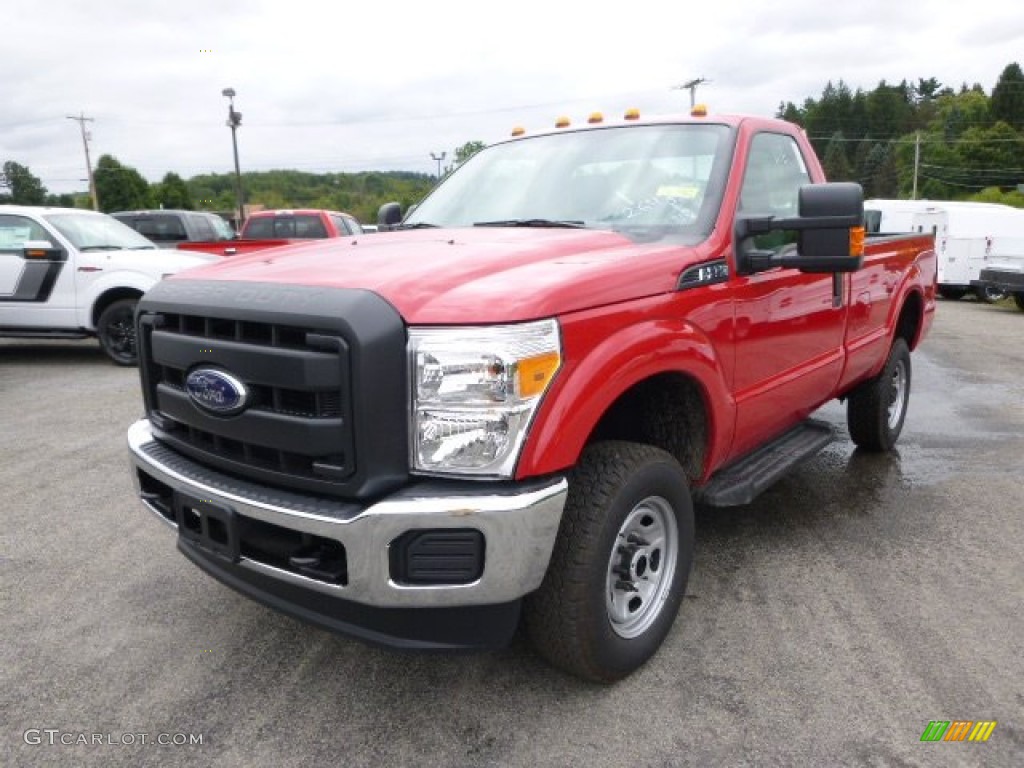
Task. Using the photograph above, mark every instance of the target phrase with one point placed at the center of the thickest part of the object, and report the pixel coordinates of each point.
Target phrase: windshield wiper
(531, 223)
(107, 247)
(143, 248)
(419, 225)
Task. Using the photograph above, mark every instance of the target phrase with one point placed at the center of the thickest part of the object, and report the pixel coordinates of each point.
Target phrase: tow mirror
(829, 227)
(389, 216)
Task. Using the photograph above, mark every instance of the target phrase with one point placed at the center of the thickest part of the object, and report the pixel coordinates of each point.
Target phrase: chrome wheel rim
(897, 394)
(641, 567)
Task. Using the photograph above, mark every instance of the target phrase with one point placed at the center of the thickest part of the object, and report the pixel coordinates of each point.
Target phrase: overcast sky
(382, 84)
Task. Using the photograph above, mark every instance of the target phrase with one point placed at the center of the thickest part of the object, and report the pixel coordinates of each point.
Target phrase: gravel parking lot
(826, 624)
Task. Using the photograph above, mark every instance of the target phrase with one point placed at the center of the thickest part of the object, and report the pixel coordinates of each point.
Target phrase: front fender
(604, 357)
(121, 280)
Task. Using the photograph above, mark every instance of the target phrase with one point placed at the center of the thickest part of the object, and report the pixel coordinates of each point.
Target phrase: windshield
(97, 232)
(643, 180)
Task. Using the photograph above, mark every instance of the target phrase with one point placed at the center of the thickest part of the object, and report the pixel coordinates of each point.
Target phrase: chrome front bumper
(519, 522)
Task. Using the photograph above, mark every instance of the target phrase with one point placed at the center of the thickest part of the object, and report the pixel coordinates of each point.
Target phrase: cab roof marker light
(562, 122)
(595, 117)
(699, 110)
(518, 130)
(632, 114)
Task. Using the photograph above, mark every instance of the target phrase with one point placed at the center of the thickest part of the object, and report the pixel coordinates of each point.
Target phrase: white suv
(72, 273)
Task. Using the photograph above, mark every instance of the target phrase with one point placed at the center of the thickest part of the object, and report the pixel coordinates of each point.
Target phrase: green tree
(467, 150)
(1007, 101)
(991, 157)
(120, 187)
(835, 163)
(996, 195)
(173, 192)
(883, 179)
(61, 201)
(24, 188)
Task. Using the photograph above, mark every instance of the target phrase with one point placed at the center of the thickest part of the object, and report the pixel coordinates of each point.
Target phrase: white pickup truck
(71, 273)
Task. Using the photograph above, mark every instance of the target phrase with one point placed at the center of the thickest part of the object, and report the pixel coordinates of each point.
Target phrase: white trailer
(968, 236)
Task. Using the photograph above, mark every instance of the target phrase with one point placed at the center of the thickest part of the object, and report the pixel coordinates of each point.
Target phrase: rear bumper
(1006, 279)
(517, 525)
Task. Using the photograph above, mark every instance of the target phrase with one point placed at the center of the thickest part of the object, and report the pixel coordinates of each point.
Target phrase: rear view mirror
(41, 249)
(830, 228)
(389, 216)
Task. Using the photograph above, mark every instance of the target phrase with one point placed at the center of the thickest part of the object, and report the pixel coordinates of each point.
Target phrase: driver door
(30, 286)
(789, 325)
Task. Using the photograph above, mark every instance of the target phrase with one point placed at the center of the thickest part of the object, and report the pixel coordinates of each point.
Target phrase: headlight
(474, 391)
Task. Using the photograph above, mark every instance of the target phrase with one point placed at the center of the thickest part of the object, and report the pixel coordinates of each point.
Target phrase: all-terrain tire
(620, 563)
(876, 410)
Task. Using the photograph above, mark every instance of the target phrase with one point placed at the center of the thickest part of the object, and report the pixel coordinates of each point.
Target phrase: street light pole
(235, 120)
(439, 159)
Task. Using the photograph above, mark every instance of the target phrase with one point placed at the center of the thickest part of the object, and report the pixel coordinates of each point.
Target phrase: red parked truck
(507, 408)
(270, 229)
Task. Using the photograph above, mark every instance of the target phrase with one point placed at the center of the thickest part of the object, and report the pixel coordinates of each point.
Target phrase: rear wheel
(990, 294)
(620, 564)
(876, 410)
(116, 331)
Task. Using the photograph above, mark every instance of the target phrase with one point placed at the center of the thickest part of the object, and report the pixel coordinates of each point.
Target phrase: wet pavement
(826, 624)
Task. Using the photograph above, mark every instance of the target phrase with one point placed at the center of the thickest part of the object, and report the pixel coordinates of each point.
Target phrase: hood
(478, 275)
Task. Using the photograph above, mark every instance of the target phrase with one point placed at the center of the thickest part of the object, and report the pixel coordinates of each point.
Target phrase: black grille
(296, 429)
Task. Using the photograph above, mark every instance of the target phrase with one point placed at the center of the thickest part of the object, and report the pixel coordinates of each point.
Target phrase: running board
(741, 482)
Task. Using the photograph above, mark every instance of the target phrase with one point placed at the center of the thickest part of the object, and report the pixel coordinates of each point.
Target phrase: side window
(354, 226)
(342, 224)
(260, 228)
(309, 226)
(771, 183)
(160, 228)
(203, 229)
(16, 230)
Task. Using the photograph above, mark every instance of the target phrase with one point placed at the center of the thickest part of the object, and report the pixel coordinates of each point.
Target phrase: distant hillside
(360, 194)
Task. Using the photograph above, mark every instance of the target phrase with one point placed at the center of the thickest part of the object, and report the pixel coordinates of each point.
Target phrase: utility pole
(439, 159)
(82, 120)
(917, 162)
(691, 86)
(235, 120)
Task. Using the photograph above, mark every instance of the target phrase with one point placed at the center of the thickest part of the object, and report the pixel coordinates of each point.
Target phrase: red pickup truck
(270, 229)
(507, 409)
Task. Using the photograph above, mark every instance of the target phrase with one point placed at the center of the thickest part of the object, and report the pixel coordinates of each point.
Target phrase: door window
(16, 230)
(771, 184)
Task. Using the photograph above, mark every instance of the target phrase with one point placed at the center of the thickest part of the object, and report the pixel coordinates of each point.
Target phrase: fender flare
(573, 407)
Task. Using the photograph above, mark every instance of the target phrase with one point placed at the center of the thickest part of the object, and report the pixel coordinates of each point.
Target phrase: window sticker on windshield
(678, 190)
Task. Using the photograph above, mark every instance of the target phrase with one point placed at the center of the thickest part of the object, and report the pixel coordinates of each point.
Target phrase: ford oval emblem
(216, 391)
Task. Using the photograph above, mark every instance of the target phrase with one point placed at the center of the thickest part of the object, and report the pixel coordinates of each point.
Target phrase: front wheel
(116, 331)
(620, 563)
(877, 409)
